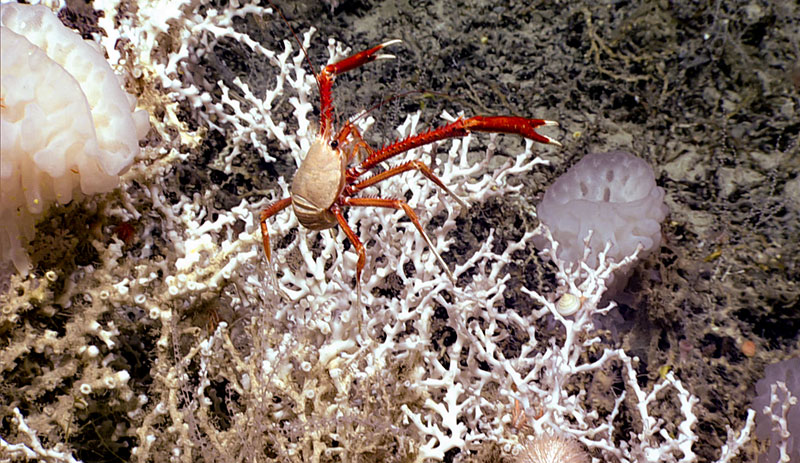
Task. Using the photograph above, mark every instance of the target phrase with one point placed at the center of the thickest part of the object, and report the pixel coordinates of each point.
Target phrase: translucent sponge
(612, 194)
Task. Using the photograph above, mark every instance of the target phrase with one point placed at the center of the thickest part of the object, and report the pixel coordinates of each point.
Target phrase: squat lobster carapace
(324, 184)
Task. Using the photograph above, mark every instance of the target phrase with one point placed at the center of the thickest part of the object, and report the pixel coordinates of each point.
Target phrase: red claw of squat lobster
(510, 124)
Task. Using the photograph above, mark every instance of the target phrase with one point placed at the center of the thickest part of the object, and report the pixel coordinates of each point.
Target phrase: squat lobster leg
(410, 165)
(350, 130)
(399, 205)
(271, 210)
(351, 235)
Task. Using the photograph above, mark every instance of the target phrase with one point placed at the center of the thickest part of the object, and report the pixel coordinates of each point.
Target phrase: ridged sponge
(67, 126)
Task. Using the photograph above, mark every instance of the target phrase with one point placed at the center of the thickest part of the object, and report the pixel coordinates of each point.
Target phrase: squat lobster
(324, 184)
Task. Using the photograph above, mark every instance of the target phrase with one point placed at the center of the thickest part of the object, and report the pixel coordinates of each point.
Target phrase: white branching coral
(31, 447)
(422, 368)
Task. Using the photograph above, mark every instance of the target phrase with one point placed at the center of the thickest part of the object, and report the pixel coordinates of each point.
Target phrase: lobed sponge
(612, 194)
(66, 125)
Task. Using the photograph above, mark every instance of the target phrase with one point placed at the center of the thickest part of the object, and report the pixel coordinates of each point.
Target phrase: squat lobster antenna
(302, 48)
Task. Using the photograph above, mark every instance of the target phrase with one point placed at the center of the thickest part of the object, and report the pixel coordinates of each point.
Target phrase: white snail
(568, 304)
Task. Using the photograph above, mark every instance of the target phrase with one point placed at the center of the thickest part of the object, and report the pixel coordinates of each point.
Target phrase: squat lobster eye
(334, 144)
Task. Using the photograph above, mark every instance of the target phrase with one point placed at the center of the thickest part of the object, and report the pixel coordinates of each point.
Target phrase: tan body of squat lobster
(324, 184)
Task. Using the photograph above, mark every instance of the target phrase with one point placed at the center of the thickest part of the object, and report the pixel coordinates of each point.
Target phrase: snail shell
(568, 304)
